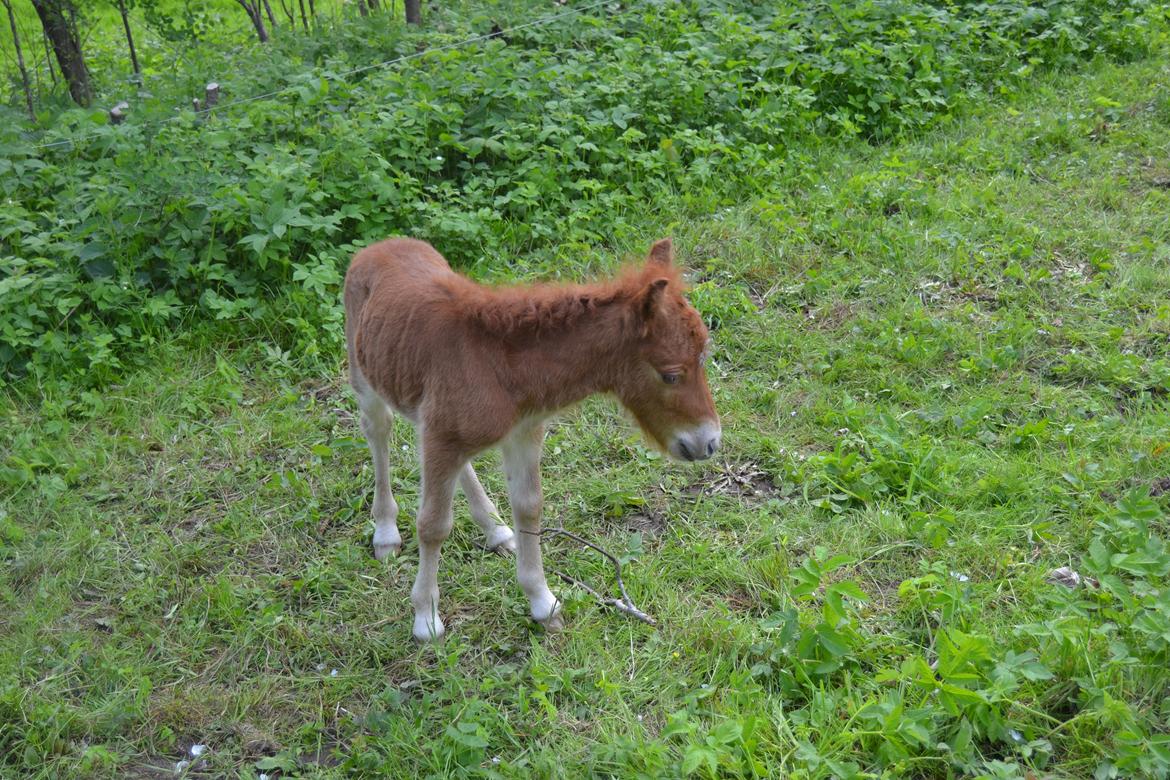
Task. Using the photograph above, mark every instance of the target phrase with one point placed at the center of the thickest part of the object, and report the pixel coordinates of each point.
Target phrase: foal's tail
(357, 292)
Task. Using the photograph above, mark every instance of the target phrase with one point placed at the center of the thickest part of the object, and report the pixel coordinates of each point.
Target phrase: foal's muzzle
(698, 443)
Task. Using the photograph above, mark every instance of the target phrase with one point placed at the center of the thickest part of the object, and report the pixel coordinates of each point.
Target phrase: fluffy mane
(548, 309)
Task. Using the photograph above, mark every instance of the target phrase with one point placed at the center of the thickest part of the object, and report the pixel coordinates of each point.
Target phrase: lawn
(942, 364)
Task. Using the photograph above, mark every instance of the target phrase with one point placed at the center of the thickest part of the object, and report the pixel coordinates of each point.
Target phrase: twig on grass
(625, 604)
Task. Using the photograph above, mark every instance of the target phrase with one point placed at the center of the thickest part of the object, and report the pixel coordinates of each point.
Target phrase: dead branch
(625, 604)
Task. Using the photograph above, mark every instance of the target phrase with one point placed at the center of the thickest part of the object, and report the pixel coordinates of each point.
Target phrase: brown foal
(474, 367)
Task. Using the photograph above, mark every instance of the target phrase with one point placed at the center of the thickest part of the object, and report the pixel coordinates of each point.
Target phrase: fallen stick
(625, 604)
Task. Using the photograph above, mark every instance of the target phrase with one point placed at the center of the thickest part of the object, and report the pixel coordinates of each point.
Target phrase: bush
(552, 136)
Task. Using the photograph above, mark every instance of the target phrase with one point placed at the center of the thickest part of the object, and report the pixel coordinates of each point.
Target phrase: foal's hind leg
(495, 536)
(376, 425)
(440, 470)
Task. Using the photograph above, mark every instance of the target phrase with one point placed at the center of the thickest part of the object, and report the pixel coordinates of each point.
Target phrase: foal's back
(391, 271)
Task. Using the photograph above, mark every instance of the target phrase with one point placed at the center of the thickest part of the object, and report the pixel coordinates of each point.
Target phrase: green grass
(953, 364)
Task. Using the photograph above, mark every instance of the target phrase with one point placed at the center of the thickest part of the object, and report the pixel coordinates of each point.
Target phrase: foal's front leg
(521, 452)
(440, 469)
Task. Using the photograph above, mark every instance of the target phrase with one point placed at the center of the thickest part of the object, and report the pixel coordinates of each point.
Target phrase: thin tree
(304, 17)
(413, 11)
(256, 14)
(271, 16)
(28, 98)
(289, 12)
(59, 23)
(129, 36)
(48, 59)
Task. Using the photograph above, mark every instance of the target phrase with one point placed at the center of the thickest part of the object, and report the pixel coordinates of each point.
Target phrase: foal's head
(662, 382)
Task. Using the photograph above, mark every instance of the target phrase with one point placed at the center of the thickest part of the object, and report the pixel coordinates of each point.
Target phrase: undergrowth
(554, 138)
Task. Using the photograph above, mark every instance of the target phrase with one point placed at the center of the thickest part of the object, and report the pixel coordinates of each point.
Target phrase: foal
(474, 367)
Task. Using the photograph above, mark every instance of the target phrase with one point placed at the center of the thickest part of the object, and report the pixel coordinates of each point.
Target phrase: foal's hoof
(384, 551)
(428, 628)
(554, 621)
(387, 542)
(501, 540)
(554, 624)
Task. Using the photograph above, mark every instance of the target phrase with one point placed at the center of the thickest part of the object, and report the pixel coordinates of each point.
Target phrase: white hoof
(387, 543)
(384, 551)
(428, 628)
(547, 612)
(555, 623)
(501, 540)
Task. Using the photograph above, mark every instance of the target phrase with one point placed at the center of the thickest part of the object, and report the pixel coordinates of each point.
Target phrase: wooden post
(118, 113)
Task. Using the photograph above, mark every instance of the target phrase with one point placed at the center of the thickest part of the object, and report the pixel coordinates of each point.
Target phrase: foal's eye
(670, 379)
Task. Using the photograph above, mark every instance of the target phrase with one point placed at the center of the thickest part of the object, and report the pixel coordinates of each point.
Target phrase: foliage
(116, 234)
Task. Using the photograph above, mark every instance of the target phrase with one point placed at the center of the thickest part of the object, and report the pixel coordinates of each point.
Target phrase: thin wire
(355, 71)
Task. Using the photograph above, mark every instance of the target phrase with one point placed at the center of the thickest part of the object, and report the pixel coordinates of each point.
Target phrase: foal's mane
(548, 309)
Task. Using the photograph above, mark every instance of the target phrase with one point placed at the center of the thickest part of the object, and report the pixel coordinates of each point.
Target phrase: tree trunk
(413, 11)
(373, 5)
(67, 46)
(304, 17)
(28, 99)
(362, 7)
(289, 13)
(257, 17)
(129, 36)
(271, 16)
(313, 10)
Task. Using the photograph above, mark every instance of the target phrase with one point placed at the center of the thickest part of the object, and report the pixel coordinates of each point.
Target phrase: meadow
(933, 246)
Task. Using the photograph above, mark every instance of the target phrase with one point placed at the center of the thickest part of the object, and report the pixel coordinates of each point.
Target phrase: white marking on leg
(376, 424)
(434, 526)
(497, 536)
(521, 452)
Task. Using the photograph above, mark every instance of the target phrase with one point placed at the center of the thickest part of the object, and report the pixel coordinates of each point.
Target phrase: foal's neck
(565, 363)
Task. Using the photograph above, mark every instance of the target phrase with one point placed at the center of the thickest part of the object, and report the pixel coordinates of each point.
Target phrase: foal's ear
(650, 298)
(662, 253)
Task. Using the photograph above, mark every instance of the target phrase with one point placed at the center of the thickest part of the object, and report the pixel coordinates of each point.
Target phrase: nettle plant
(873, 461)
(1112, 635)
(803, 648)
(118, 235)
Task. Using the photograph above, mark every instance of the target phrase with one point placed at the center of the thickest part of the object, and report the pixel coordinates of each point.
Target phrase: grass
(943, 358)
